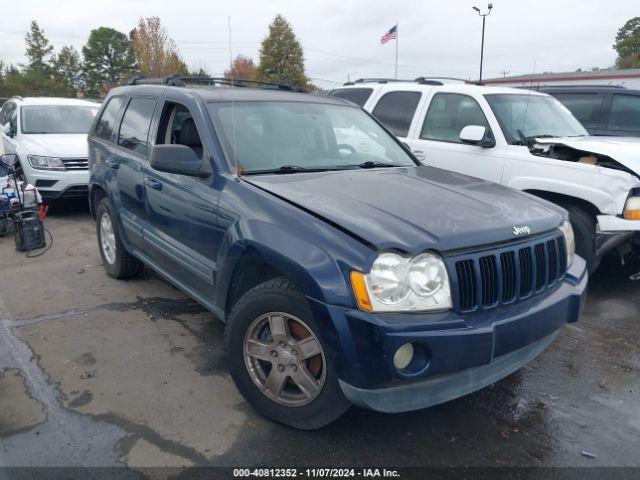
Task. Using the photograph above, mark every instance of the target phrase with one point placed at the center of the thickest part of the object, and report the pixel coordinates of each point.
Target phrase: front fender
(603, 200)
(321, 275)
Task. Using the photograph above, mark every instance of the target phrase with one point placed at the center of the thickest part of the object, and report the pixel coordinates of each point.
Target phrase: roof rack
(18, 97)
(420, 80)
(183, 81)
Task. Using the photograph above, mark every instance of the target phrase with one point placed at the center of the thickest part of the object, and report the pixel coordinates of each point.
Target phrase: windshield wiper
(284, 169)
(374, 164)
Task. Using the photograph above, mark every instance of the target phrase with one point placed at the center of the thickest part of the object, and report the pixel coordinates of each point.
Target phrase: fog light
(403, 356)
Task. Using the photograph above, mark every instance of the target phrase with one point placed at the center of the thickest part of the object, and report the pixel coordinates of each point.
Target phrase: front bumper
(442, 388)
(614, 224)
(461, 353)
(613, 231)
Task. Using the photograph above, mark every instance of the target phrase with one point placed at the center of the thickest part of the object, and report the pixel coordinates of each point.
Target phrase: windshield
(524, 116)
(295, 136)
(57, 118)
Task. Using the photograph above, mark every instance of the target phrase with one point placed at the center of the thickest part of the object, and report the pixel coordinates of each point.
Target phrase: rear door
(128, 160)
(435, 139)
(622, 115)
(182, 223)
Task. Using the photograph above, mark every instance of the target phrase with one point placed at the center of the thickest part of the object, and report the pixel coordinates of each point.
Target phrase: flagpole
(397, 41)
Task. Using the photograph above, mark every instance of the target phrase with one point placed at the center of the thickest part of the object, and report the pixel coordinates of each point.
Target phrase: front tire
(277, 359)
(584, 228)
(116, 260)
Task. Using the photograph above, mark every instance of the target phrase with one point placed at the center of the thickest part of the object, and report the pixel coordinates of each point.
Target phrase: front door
(182, 233)
(436, 138)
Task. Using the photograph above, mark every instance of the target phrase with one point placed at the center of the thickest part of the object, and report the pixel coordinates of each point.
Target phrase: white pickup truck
(522, 139)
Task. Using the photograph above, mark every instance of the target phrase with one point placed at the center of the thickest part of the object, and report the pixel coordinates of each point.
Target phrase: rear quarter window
(106, 123)
(359, 96)
(396, 109)
(624, 113)
(582, 105)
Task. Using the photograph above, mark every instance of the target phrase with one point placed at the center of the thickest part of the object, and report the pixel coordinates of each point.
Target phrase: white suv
(522, 139)
(49, 135)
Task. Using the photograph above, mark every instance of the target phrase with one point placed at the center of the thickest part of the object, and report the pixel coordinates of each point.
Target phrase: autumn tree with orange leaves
(156, 53)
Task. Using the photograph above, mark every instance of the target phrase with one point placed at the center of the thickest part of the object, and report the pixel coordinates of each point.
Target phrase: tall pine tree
(39, 50)
(281, 57)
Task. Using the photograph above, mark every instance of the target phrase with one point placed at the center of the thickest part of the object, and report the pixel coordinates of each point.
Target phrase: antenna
(236, 169)
(524, 119)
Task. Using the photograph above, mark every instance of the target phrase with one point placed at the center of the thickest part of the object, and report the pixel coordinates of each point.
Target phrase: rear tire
(280, 300)
(116, 260)
(584, 228)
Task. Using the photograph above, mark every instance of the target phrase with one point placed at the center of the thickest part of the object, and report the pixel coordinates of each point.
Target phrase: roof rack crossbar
(183, 81)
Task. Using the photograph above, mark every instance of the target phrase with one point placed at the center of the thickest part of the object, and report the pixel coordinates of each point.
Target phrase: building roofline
(566, 78)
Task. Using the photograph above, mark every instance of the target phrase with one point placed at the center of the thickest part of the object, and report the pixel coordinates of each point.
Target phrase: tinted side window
(134, 130)
(448, 114)
(582, 105)
(395, 110)
(625, 112)
(359, 96)
(107, 121)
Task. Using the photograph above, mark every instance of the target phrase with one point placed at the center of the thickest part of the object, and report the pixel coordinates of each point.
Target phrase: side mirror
(477, 135)
(178, 159)
(9, 159)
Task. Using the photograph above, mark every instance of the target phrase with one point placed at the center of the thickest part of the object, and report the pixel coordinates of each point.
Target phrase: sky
(341, 38)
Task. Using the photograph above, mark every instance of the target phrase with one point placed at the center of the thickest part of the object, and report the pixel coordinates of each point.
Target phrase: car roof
(55, 101)
(449, 87)
(229, 94)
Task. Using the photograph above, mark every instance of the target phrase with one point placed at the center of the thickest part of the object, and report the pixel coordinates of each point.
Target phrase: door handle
(419, 154)
(153, 183)
(112, 163)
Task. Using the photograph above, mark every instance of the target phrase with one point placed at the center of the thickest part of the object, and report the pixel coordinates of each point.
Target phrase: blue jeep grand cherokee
(346, 272)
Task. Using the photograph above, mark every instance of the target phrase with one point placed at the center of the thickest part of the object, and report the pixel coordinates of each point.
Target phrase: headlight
(45, 163)
(397, 284)
(632, 208)
(569, 240)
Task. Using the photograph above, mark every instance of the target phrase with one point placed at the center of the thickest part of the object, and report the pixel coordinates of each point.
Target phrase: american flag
(392, 34)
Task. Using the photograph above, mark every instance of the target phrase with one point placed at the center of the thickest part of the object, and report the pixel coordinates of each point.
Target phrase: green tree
(109, 60)
(39, 50)
(68, 68)
(628, 44)
(281, 57)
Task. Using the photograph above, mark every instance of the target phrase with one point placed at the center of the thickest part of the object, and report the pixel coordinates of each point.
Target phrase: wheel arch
(562, 199)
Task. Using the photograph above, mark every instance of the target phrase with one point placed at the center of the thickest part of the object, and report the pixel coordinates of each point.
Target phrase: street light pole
(484, 18)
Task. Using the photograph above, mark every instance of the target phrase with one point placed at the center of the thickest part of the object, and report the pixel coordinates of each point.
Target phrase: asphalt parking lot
(99, 372)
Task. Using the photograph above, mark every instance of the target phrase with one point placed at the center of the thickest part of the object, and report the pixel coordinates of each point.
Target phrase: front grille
(488, 278)
(75, 163)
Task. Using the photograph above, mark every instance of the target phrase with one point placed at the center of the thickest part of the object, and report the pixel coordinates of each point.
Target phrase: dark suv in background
(603, 110)
(346, 271)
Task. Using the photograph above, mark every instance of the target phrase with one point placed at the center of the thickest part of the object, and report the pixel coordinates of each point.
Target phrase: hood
(414, 208)
(625, 150)
(56, 145)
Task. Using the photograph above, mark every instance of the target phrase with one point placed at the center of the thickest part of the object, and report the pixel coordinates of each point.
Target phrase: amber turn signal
(631, 214)
(360, 291)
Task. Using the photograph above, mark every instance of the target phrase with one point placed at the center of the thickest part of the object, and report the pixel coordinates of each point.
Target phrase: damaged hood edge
(625, 150)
